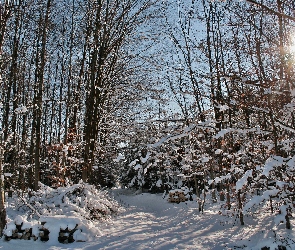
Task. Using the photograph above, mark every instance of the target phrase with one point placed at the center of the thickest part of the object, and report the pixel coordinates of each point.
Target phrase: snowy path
(150, 222)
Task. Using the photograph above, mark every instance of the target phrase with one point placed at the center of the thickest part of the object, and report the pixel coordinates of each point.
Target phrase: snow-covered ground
(150, 222)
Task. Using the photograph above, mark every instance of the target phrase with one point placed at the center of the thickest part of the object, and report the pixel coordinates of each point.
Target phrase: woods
(151, 95)
(63, 66)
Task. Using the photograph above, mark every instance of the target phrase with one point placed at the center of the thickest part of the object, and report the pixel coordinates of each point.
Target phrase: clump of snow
(18, 220)
(159, 183)
(21, 110)
(144, 159)
(222, 133)
(133, 163)
(119, 158)
(10, 226)
(241, 182)
(218, 151)
(205, 159)
(79, 236)
(223, 107)
(137, 166)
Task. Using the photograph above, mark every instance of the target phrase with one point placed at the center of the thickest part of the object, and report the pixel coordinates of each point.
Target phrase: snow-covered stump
(19, 230)
(61, 228)
(43, 233)
(67, 235)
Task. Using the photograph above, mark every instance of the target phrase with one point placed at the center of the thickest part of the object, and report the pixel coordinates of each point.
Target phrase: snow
(241, 182)
(206, 159)
(151, 222)
(222, 107)
(79, 236)
(291, 163)
(270, 164)
(285, 127)
(137, 166)
(21, 110)
(221, 178)
(186, 132)
(119, 158)
(159, 183)
(133, 163)
(144, 159)
(222, 133)
(257, 199)
(218, 151)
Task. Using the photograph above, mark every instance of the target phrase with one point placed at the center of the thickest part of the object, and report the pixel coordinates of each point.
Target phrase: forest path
(150, 222)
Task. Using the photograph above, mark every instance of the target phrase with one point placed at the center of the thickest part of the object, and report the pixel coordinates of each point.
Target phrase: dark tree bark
(39, 81)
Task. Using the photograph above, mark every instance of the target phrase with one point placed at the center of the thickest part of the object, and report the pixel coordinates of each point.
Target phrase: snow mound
(80, 200)
(77, 208)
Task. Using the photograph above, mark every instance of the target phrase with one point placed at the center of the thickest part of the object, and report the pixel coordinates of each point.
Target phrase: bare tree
(5, 14)
(38, 91)
(111, 23)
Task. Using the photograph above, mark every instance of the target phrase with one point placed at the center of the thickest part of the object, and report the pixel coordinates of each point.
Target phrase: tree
(2, 193)
(5, 14)
(111, 23)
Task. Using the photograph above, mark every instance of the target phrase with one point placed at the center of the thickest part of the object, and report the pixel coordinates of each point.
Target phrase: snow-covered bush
(275, 180)
(81, 200)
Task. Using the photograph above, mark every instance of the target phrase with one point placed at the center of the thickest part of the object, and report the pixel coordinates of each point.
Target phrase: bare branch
(271, 10)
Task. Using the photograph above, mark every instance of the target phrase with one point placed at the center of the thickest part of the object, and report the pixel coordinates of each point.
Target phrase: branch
(271, 10)
(284, 126)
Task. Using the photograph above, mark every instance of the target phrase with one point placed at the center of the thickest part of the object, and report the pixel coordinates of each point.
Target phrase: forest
(150, 95)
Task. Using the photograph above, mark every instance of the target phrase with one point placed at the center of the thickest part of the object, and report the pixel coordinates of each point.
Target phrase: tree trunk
(4, 16)
(241, 215)
(2, 198)
(228, 195)
(40, 82)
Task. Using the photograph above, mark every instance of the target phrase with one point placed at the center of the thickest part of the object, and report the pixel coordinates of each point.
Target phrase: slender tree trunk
(4, 16)
(2, 198)
(91, 103)
(13, 83)
(241, 215)
(228, 202)
(40, 81)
